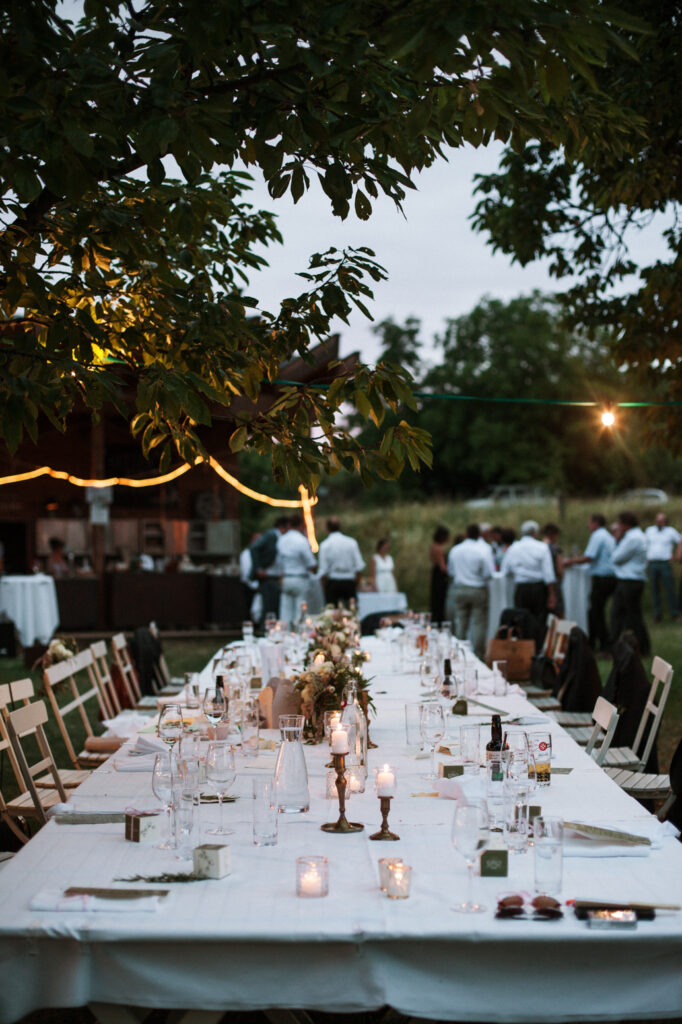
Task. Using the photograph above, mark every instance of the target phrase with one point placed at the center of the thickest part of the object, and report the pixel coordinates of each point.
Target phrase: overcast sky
(438, 266)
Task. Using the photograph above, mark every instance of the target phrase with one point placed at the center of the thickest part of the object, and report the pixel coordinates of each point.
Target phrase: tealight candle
(339, 739)
(398, 878)
(383, 870)
(385, 781)
(356, 775)
(312, 877)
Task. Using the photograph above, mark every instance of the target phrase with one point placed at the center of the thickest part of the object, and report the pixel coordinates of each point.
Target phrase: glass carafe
(291, 775)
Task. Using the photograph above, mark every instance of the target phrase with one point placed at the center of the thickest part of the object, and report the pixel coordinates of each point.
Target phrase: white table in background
(372, 603)
(575, 587)
(31, 603)
(246, 942)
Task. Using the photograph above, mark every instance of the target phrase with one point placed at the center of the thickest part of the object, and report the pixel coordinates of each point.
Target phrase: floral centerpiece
(60, 648)
(332, 664)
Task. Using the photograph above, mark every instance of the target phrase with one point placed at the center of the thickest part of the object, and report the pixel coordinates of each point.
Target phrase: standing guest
(529, 562)
(252, 599)
(629, 562)
(662, 542)
(381, 569)
(550, 535)
(439, 573)
(340, 565)
(470, 566)
(597, 555)
(265, 566)
(507, 538)
(296, 563)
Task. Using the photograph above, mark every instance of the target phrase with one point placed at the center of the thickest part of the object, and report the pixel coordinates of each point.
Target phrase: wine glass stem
(169, 811)
(220, 811)
(470, 893)
(433, 760)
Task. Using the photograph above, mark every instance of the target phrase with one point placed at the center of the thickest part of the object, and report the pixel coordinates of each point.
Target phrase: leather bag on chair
(507, 646)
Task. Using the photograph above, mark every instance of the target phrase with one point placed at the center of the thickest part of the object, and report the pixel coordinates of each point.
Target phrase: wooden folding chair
(166, 684)
(644, 786)
(25, 722)
(78, 674)
(22, 692)
(635, 757)
(126, 668)
(605, 717)
(100, 664)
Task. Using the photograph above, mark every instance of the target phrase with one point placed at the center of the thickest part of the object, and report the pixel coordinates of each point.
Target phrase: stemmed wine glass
(162, 787)
(215, 706)
(220, 775)
(431, 729)
(470, 835)
(170, 725)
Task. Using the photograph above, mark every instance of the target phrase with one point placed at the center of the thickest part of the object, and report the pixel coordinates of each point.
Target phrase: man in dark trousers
(266, 568)
(600, 568)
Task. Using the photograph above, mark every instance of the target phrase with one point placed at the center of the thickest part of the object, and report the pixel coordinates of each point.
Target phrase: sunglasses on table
(542, 908)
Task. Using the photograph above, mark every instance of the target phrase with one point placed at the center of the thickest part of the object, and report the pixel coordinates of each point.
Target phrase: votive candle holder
(384, 863)
(398, 878)
(312, 877)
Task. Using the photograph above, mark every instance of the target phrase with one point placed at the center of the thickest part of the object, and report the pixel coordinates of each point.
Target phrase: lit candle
(340, 741)
(386, 781)
(319, 659)
(398, 877)
(311, 883)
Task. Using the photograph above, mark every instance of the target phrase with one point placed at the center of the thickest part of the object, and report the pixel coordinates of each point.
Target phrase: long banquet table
(246, 942)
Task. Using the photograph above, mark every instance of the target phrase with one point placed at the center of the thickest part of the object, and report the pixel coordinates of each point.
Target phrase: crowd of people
(619, 558)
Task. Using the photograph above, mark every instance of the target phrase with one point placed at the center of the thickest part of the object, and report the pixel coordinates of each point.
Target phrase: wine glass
(470, 835)
(432, 729)
(220, 775)
(169, 727)
(162, 787)
(215, 706)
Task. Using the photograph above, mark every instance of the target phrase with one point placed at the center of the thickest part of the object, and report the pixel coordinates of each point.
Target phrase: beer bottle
(448, 681)
(493, 749)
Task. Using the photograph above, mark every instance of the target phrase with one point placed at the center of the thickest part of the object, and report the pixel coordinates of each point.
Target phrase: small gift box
(212, 860)
(143, 826)
(450, 771)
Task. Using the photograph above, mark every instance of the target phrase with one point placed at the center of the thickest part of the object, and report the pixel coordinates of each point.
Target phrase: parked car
(645, 496)
(511, 494)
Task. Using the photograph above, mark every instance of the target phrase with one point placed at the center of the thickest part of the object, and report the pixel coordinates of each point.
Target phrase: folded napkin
(150, 744)
(135, 764)
(128, 723)
(577, 845)
(54, 899)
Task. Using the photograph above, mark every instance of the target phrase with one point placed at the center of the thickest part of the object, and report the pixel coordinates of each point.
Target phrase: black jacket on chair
(578, 684)
(628, 688)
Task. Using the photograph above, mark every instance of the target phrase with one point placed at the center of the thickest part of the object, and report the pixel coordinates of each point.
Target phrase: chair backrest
(661, 677)
(79, 675)
(22, 723)
(562, 632)
(605, 717)
(126, 667)
(100, 664)
(548, 645)
(20, 691)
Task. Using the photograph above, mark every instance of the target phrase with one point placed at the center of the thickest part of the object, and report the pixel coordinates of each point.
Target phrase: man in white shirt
(529, 562)
(661, 544)
(470, 566)
(296, 563)
(340, 565)
(629, 562)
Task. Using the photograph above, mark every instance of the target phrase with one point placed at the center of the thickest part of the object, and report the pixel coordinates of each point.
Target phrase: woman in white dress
(381, 569)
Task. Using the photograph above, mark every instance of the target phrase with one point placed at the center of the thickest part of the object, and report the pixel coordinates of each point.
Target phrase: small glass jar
(398, 878)
(384, 863)
(312, 877)
(356, 777)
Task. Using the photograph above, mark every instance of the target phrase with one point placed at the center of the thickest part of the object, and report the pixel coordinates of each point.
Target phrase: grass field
(410, 527)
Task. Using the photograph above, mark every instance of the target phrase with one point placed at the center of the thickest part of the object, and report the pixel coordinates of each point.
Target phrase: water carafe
(291, 775)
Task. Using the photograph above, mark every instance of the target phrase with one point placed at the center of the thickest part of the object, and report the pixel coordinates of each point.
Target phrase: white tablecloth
(370, 603)
(31, 603)
(500, 596)
(247, 942)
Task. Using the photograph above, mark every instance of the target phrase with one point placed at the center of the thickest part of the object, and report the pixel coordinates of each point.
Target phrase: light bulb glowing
(607, 418)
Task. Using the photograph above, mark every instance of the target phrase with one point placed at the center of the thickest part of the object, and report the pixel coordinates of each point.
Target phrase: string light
(608, 418)
(307, 504)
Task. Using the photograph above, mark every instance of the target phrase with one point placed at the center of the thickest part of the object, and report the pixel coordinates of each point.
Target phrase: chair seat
(622, 757)
(71, 777)
(89, 759)
(22, 806)
(546, 703)
(641, 785)
(571, 719)
(580, 734)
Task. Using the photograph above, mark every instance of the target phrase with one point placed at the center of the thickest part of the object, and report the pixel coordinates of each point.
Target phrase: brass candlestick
(342, 826)
(384, 832)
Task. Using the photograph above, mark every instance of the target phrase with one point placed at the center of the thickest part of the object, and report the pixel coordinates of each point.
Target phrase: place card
(494, 864)
(450, 771)
(459, 707)
(561, 771)
(613, 836)
(89, 818)
(534, 811)
(114, 894)
(143, 826)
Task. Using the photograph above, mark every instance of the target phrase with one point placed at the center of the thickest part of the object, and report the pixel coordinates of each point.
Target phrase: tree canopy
(583, 211)
(127, 242)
